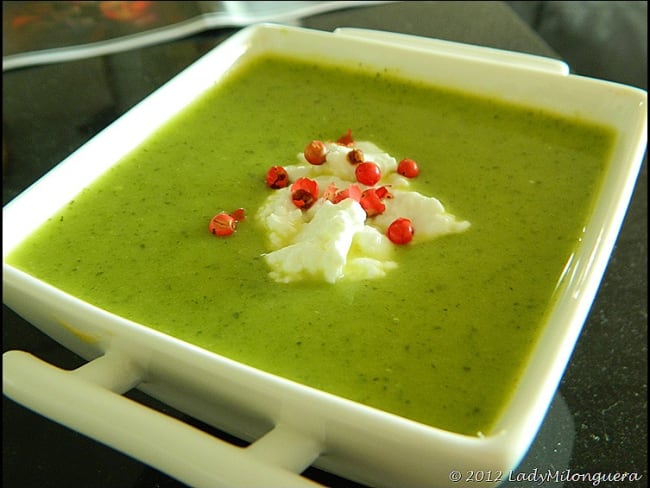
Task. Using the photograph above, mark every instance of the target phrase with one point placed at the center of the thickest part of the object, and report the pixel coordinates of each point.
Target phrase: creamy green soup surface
(443, 339)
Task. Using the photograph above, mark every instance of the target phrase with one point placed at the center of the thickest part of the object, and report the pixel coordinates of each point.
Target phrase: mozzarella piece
(320, 248)
(427, 215)
(337, 163)
(281, 219)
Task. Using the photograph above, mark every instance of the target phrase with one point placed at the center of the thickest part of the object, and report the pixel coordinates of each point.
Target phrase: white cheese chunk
(281, 219)
(337, 163)
(427, 215)
(321, 247)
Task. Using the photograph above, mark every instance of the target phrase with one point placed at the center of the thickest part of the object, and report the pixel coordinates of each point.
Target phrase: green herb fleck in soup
(442, 339)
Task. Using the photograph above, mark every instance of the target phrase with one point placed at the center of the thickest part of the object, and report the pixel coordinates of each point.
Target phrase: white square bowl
(291, 426)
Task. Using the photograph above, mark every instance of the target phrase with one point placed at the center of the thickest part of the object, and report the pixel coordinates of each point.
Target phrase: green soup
(441, 340)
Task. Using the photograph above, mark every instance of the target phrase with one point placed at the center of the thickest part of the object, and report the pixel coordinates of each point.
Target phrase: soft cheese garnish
(340, 231)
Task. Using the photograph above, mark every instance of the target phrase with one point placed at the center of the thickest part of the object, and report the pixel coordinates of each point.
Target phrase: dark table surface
(598, 419)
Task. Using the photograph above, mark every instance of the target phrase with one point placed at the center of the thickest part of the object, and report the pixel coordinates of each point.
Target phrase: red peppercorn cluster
(305, 191)
(225, 224)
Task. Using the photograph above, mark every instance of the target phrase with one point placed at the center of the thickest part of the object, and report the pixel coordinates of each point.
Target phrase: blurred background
(607, 40)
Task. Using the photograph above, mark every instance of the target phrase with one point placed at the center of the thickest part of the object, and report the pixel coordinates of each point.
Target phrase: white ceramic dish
(290, 426)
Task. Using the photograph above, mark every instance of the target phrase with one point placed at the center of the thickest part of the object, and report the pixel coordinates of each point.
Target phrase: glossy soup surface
(442, 339)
